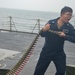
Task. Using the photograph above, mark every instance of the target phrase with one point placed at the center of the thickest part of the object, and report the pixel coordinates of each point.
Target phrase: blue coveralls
(53, 48)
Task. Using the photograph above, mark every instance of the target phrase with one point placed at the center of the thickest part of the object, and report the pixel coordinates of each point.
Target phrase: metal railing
(23, 24)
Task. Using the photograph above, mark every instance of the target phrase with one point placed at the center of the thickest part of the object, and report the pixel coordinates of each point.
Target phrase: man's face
(66, 16)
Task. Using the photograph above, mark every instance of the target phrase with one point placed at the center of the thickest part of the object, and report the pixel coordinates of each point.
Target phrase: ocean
(25, 20)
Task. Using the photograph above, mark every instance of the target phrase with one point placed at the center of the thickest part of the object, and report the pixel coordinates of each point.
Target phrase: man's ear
(62, 14)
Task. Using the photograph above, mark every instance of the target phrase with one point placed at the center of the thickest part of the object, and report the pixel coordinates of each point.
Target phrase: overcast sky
(39, 5)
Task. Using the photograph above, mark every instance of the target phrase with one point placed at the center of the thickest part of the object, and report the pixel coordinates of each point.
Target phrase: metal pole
(38, 24)
(10, 23)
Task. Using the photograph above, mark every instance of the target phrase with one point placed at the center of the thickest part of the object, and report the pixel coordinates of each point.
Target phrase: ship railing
(16, 24)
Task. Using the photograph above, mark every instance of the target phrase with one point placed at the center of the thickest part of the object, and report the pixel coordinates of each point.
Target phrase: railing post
(38, 24)
(10, 23)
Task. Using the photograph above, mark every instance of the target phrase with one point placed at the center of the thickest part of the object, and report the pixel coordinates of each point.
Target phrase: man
(53, 48)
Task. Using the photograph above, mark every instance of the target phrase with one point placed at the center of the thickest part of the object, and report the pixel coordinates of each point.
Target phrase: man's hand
(46, 27)
(62, 34)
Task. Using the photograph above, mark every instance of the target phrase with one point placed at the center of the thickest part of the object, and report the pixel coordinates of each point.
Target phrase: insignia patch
(66, 31)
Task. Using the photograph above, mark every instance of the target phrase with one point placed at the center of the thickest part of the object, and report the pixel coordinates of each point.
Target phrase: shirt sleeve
(71, 36)
(45, 33)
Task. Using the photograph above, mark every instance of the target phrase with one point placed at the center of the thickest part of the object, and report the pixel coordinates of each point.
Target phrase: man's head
(66, 9)
(66, 13)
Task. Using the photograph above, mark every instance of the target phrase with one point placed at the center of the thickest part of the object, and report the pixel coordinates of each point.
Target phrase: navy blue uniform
(53, 48)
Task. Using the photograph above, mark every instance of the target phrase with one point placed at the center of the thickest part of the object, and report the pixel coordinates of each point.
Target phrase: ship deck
(14, 44)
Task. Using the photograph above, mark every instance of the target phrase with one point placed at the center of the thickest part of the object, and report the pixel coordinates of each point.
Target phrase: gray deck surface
(20, 42)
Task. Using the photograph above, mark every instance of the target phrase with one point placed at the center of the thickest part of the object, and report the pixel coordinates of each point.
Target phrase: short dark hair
(66, 9)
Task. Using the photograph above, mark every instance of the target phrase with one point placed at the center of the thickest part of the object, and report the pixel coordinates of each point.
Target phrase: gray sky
(39, 5)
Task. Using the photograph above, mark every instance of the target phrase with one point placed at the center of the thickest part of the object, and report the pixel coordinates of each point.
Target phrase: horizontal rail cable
(23, 24)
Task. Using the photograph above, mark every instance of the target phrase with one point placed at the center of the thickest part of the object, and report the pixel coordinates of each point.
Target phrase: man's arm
(71, 37)
(45, 29)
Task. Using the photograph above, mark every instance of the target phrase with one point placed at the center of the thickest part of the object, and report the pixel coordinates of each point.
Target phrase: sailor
(53, 49)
